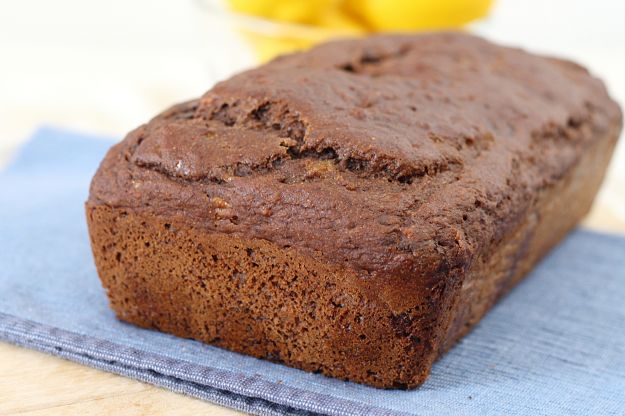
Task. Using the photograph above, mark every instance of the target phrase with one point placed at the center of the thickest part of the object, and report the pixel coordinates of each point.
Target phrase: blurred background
(106, 67)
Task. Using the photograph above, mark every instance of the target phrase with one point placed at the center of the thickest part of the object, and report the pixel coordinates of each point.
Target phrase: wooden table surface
(33, 383)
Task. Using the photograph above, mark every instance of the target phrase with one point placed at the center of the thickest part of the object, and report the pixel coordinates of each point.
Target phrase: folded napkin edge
(222, 387)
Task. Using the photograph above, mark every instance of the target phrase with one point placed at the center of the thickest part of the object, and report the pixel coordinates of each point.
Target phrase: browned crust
(556, 211)
(404, 168)
(253, 297)
(389, 190)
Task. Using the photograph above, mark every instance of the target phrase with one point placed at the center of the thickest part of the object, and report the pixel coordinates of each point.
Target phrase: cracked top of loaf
(394, 155)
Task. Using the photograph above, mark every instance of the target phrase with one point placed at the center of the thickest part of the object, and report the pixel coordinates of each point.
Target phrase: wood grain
(32, 383)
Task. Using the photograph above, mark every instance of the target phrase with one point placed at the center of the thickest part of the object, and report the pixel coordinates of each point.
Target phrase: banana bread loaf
(353, 210)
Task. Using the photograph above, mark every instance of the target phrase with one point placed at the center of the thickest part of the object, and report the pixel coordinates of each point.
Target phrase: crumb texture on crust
(396, 155)
(256, 298)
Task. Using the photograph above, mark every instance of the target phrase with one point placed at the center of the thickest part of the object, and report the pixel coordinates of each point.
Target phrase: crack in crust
(277, 120)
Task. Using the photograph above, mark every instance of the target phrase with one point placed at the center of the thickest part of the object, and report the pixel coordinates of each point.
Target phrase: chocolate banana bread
(353, 210)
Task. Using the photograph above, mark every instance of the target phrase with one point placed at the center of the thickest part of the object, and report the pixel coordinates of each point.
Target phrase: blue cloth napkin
(555, 345)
